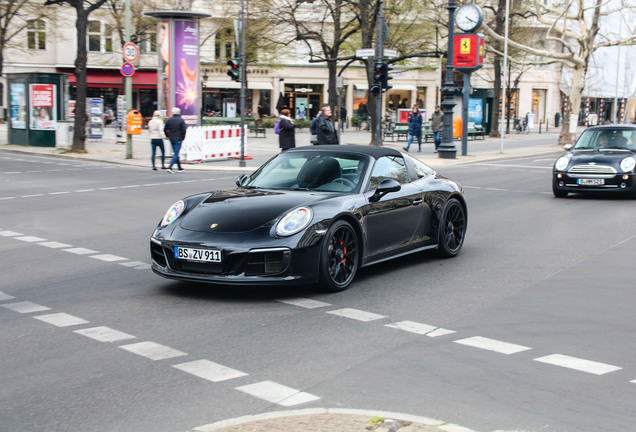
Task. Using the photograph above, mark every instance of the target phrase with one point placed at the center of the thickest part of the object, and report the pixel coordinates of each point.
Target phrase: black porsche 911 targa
(603, 160)
(311, 215)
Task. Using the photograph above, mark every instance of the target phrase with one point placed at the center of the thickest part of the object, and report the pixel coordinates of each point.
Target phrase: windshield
(607, 139)
(308, 170)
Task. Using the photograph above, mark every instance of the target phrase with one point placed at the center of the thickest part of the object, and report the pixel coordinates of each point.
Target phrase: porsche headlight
(294, 221)
(562, 163)
(173, 213)
(628, 164)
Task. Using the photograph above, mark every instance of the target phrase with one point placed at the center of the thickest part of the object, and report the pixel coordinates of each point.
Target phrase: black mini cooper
(602, 160)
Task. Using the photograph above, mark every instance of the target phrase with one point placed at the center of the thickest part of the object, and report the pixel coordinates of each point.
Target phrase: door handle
(416, 202)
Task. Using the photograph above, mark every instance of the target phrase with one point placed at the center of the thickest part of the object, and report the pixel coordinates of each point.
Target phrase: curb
(348, 417)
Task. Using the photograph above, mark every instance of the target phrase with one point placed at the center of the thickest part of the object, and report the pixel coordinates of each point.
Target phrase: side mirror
(386, 186)
(567, 147)
(241, 180)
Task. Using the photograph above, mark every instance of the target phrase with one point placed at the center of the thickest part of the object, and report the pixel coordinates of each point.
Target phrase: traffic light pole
(379, 57)
(243, 72)
(128, 79)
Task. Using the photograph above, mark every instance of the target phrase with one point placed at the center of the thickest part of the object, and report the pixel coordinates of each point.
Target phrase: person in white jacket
(155, 127)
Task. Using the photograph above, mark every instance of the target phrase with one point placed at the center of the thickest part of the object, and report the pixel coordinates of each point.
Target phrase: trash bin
(457, 127)
(557, 118)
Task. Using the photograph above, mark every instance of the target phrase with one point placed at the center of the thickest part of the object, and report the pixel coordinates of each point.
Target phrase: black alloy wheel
(340, 256)
(452, 229)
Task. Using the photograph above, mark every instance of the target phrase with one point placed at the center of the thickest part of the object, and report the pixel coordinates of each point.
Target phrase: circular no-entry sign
(131, 52)
(127, 69)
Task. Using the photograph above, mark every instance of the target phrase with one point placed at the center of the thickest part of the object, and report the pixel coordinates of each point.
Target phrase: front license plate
(591, 182)
(202, 255)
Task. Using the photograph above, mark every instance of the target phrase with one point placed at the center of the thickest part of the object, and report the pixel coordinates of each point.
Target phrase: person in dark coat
(325, 127)
(286, 138)
(175, 130)
(415, 128)
(437, 126)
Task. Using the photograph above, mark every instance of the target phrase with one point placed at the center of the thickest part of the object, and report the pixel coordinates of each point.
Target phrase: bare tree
(83, 9)
(575, 26)
(15, 16)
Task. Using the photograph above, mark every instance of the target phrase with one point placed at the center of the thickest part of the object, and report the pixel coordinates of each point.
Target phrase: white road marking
(419, 328)
(492, 345)
(30, 239)
(108, 257)
(440, 332)
(304, 302)
(26, 307)
(277, 393)
(59, 193)
(356, 314)
(582, 365)
(10, 233)
(153, 351)
(32, 196)
(80, 251)
(209, 370)
(104, 334)
(61, 319)
(130, 186)
(55, 245)
(6, 198)
(107, 188)
(83, 190)
(4, 296)
(138, 265)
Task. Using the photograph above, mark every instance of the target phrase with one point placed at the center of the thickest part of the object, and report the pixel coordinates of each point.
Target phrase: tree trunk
(79, 132)
(574, 105)
(500, 20)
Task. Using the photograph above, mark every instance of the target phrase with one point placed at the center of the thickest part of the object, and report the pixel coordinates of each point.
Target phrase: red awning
(114, 79)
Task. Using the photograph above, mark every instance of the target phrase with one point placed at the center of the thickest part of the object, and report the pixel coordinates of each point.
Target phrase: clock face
(468, 17)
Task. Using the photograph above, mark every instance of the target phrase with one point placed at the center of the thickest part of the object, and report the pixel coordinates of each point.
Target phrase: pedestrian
(313, 129)
(175, 130)
(437, 125)
(415, 128)
(343, 118)
(286, 138)
(325, 128)
(155, 127)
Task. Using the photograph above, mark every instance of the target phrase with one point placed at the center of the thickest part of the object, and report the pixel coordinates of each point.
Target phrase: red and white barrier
(203, 143)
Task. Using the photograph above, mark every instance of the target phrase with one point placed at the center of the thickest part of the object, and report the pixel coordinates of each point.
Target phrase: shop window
(36, 34)
(100, 37)
(224, 45)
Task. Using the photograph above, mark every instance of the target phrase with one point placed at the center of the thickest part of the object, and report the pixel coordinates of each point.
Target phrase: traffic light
(386, 76)
(376, 88)
(235, 69)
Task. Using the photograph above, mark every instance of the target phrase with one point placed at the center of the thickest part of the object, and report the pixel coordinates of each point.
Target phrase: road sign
(127, 69)
(367, 52)
(131, 52)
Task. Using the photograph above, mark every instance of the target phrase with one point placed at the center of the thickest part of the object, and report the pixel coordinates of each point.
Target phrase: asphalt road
(528, 329)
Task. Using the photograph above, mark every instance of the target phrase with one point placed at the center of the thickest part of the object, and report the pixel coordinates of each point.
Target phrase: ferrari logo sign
(468, 53)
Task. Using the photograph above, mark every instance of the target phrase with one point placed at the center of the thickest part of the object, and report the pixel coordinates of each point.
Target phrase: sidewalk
(261, 149)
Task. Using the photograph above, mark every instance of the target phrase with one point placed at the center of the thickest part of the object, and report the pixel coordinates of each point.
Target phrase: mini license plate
(591, 182)
(201, 255)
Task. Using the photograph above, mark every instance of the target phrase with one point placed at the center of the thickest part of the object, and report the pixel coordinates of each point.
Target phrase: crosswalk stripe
(579, 364)
(277, 393)
(492, 345)
(209, 370)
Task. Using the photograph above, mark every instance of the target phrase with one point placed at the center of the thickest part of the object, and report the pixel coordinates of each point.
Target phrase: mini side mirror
(568, 147)
(241, 180)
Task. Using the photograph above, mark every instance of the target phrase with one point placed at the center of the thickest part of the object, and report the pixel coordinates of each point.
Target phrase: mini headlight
(561, 163)
(294, 221)
(628, 164)
(173, 213)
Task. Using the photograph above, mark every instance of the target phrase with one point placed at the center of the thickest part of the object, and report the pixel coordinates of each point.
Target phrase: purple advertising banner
(186, 70)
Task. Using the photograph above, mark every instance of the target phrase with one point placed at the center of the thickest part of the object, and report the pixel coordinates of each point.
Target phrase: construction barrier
(204, 143)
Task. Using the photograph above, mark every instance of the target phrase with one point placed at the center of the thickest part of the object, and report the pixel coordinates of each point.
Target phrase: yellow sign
(465, 46)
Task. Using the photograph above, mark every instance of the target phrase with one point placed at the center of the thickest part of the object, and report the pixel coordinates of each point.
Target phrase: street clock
(469, 17)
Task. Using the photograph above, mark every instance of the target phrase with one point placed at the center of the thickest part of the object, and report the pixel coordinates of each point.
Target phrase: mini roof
(373, 151)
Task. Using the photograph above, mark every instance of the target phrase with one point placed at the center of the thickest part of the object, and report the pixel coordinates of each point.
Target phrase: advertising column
(186, 68)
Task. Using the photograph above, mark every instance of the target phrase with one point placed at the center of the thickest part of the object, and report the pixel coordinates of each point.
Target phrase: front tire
(339, 257)
(452, 229)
